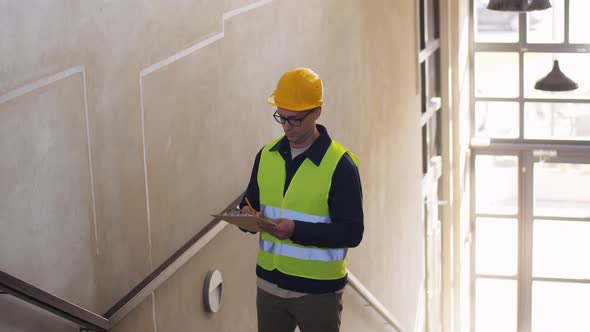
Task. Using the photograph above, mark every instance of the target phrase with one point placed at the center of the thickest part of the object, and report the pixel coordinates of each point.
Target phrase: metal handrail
(52, 303)
(117, 312)
(94, 322)
(372, 300)
(167, 269)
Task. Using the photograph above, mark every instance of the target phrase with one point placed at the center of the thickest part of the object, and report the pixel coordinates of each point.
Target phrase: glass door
(559, 281)
(531, 244)
(495, 246)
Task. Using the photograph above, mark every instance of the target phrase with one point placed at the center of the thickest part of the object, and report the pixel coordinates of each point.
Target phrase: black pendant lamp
(539, 5)
(556, 81)
(518, 5)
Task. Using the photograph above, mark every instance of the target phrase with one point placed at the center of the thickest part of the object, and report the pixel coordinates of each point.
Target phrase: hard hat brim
(296, 108)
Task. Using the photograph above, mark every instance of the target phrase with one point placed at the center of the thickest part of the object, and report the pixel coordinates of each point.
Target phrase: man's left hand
(283, 228)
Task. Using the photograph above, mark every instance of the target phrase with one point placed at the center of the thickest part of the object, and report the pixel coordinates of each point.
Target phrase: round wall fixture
(213, 291)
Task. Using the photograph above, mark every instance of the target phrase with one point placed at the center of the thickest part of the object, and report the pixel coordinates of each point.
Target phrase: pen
(250, 206)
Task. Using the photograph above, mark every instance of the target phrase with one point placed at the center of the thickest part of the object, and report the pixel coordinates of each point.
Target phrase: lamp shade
(508, 5)
(539, 5)
(556, 81)
(518, 5)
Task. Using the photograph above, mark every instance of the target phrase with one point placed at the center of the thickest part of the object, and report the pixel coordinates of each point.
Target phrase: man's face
(298, 134)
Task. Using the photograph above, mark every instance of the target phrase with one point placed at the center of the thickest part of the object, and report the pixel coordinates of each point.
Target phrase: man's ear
(318, 112)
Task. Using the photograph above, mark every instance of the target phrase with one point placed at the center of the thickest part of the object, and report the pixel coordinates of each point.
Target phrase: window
(430, 92)
(511, 52)
(531, 175)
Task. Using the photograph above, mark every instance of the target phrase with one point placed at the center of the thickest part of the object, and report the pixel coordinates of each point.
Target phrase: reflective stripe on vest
(305, 200)
(274, 213)
(309, 253)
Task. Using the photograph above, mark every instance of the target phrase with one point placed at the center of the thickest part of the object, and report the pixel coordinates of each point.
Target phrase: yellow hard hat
(298, 89)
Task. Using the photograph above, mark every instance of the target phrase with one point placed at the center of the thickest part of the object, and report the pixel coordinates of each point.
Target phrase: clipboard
(245, 221)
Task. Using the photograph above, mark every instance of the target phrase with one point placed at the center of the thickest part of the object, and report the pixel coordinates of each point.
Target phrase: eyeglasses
(293, 121)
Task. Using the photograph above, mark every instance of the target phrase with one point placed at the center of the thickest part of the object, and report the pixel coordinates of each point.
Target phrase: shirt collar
(315, 152)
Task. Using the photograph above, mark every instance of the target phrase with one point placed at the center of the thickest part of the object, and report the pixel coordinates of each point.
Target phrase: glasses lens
(279, 118)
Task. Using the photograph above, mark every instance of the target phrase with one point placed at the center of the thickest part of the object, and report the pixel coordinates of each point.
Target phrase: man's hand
(283, 228)
(246, 210)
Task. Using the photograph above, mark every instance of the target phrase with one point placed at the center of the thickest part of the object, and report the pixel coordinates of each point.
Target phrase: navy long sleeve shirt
(345, 206)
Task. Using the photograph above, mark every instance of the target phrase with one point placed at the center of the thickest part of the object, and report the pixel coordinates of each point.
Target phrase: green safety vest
(305, 200)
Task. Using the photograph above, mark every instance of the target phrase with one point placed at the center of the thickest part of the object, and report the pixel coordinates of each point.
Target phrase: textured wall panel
(46, 199)
(179, 302)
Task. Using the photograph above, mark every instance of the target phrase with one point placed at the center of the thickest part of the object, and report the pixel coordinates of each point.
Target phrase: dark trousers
(312, 313)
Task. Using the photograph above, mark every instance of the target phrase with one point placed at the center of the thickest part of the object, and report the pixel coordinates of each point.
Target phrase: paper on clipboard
(245, 221)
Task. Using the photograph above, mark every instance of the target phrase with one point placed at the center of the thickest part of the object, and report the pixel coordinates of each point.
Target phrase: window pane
(561, 190)
(490, 257)
(425, 151)
(495, 305)
(496, 184)
(574, 66)
(431, 20)
(560, 307)
(496, 119)
(546, 26)
(494, 26)
(560, 249)
(496, 74)
(579, 24)
(432, 78)
(430, 141)
(557, 121)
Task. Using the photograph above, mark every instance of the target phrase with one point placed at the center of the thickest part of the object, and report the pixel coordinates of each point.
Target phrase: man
(310, 187)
